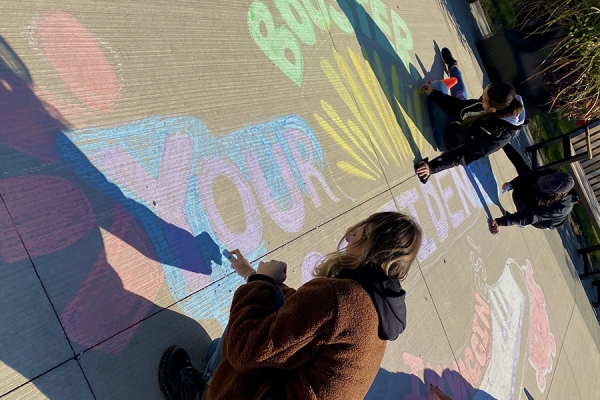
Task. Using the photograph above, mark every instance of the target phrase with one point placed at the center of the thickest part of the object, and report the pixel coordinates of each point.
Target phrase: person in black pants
(543, 198)
(481, 126)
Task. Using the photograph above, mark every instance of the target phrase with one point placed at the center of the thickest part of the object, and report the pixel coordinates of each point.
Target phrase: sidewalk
(141, 139)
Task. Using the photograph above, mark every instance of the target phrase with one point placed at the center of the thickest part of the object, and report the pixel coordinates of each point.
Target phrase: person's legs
(212, 358)
(459, 90)
(439, 118)
(443, 129)
(516, 159)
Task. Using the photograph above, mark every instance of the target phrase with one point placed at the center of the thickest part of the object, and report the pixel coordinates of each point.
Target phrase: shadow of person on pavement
(400, 385)
(97, 253)
(398, 77)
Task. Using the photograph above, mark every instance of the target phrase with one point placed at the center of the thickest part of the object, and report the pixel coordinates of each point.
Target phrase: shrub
(574, 63)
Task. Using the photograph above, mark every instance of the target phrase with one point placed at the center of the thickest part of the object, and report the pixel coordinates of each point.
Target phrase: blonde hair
(391, 242)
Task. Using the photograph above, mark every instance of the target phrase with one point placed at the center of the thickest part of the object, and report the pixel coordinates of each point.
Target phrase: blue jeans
(212, 357)
(439, 118)
(459, 90)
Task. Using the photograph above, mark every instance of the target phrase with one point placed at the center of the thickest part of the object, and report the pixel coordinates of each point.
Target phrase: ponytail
(513, 110)
(502, 97)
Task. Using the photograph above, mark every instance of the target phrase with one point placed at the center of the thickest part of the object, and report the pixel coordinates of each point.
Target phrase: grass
(501, 14)
(546, 126)
(573, 65)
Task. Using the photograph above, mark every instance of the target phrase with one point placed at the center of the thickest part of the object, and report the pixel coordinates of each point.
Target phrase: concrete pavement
(139, 139)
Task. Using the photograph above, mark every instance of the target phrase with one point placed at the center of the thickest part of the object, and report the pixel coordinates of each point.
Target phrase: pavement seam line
(388, 189)
(562, 349)
(440, 319)
(47, 297)
(35, 377)
(377, 156)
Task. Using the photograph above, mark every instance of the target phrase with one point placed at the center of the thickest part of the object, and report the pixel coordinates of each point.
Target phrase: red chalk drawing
(475, 357)
(78, 59)
(49, 213)
(417, 367)
(118, 291)
(541, 343)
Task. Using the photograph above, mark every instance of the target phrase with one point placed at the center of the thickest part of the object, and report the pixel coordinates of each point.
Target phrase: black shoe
(177, 377)
(447, 57)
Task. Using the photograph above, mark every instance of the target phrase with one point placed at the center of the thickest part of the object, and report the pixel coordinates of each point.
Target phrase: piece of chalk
(227, 254)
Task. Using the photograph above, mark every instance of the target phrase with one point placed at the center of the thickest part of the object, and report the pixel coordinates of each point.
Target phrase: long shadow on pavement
(398, 82)
(400, 385)
(71, 230)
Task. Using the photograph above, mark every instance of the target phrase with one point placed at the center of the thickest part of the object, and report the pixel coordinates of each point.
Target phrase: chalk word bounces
(169, 165)
(277, 40)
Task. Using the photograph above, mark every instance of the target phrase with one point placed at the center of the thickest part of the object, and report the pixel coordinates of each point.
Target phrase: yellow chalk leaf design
(372, 136)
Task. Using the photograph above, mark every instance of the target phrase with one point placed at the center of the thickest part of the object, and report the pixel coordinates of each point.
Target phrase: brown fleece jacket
(321, 344)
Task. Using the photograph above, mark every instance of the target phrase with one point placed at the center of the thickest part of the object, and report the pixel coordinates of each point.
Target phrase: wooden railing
(578, 145)
(590, 165)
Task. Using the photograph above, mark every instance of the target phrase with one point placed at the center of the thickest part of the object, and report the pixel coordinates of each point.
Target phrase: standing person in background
(481, 127)
(543, 198)
(328, 338)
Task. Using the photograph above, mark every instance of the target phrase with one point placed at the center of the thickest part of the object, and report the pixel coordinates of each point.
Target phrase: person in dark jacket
(327, 339)
(543, 198)
(481, 127)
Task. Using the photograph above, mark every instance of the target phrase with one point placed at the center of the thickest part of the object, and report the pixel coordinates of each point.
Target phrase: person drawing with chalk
(543, 199)
(325, 340)
(480, 127)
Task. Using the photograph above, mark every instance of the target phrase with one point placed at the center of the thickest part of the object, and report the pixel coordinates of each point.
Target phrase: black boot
(177, 377)
(447, 57)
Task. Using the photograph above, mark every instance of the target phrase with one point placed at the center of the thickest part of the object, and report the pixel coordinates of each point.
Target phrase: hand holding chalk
(239, 263)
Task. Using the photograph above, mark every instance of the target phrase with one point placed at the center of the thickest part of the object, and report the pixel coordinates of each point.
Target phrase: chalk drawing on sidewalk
(90, 314)
(374, 132)
(541, 346)
(311, 260)
(276, 165)
(507, 307)
(293, 33)
(173, 176)
(87, 65)
(450, 218)
(489, 362)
